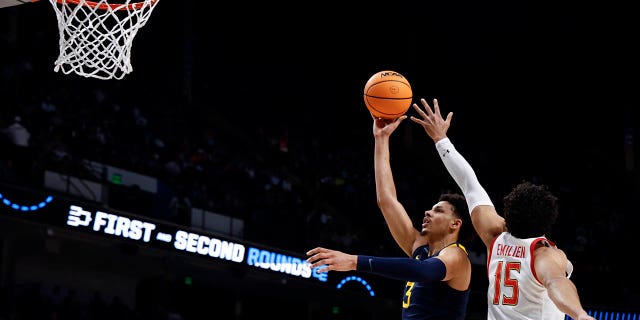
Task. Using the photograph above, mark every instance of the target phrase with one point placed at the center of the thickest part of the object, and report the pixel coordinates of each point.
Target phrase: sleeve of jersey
(406, 269)
(463, 174)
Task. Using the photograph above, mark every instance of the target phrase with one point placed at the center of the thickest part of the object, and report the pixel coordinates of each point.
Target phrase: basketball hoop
(96, 36)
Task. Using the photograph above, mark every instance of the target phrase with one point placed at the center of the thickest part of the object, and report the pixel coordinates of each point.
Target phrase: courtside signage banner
(89, 218)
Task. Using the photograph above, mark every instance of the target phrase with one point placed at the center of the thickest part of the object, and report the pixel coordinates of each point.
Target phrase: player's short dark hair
(530, 210)
(461, 210)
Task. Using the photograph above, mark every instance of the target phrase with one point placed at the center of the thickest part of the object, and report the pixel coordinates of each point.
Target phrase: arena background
(246, 123)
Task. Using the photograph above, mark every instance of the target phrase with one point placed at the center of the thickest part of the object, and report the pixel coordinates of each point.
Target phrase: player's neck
(435, 245)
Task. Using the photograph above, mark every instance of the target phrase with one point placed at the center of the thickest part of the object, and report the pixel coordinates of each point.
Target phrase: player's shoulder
(547, 245)
(551, 254)
(456, 250)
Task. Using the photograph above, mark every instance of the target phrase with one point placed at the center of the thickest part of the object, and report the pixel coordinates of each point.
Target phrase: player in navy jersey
(437, 269)
(528, 275)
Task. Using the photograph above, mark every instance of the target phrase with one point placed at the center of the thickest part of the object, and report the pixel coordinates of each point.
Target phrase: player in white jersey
(513, 280)
(528, 275)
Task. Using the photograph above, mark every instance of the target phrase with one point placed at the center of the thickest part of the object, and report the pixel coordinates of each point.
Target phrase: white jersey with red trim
(515, 293)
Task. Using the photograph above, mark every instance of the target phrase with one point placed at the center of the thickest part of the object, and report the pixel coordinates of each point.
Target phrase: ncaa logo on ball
(391, 73)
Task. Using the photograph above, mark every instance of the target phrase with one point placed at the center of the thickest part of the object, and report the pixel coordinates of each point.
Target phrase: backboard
(11, 3)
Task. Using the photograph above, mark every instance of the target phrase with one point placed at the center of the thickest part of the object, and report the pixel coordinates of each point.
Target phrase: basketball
(387, 94)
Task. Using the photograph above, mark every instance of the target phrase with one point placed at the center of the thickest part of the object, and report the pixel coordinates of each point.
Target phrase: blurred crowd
(292, 189)
(36, 301)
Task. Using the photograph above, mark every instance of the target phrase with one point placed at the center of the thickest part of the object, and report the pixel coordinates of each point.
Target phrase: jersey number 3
(503, 280)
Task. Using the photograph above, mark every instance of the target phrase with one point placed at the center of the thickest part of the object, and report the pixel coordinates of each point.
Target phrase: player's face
(438, 219)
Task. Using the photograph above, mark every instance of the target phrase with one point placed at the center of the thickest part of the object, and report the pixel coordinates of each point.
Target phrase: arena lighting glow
(116, 178)
(357, 279)
(90, 218)
(278, 262)
(611, 315)
(121, 226)
(18, 207)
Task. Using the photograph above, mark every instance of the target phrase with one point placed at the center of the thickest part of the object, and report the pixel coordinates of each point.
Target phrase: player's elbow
(558, 287)
(386, 202)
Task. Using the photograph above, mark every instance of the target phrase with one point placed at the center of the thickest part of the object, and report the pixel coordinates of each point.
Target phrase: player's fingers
(436, 107)
(324, 261)
(314, 251)
(322, 254)
(322, 270)
(419, 121)
(318, 263)
(427, 107)
(449, 116)
(399, 119)
(419, 110)
(315, 260)
(425, 118)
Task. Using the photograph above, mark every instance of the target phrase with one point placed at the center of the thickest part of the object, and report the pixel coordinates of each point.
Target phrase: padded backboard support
(11, 3)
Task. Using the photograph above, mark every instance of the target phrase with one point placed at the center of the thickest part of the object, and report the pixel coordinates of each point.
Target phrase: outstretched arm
(550, 265)
(406, 269)
(486, 221)
(396, 217)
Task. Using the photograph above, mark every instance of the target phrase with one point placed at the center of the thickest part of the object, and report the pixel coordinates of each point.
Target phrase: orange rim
(103, 6)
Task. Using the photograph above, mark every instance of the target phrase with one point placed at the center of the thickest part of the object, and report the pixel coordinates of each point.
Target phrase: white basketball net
(96, 37)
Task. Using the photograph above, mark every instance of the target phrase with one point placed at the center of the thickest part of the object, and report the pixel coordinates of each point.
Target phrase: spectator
(20, 155)
(17, 133)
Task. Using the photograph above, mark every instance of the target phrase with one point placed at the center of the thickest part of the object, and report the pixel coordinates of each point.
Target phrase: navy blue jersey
(433, 300)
